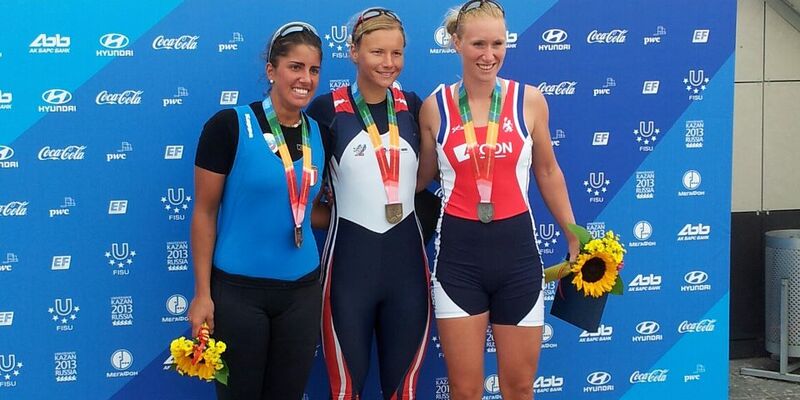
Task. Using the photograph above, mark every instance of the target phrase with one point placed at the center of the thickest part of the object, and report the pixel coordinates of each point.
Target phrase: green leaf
(583, 235)
(222, 375)
(618, 287)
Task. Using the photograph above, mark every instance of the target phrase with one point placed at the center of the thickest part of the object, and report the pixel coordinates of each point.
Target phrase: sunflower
(595, 272)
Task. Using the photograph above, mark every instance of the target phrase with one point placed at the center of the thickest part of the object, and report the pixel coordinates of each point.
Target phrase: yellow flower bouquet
(595, 271)
(580, 297)
(200, 357)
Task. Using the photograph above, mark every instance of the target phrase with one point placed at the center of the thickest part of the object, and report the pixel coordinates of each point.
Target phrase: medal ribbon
(483, 176)
(297, 200)
(390, 170)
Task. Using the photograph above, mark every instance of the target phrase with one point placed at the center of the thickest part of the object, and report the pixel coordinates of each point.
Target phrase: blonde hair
(454, 26)
(381, 22)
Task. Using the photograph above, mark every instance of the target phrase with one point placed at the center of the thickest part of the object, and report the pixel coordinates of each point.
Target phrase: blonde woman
(486, 133)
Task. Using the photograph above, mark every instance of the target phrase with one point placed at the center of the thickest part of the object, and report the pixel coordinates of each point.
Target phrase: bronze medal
(298, 236)
(394, 212)
(485, 212)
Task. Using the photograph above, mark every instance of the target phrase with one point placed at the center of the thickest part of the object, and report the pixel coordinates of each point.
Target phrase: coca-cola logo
(67, 153)
(565, 88)
(705, 325)
(14, 209)
(656, 375)
(185, 42)
(616, 36)
(128, 97)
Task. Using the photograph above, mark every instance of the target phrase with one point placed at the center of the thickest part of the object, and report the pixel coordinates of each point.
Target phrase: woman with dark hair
(487, 134)
(377, 274)
(256, 263)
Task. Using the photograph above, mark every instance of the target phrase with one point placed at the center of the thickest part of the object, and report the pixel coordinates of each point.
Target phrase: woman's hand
(201, 310)
(574, 248)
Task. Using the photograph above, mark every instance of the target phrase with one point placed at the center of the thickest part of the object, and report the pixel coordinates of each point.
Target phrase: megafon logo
(654, 376)
(694, 232)
(548, 384)
(492, 384)
(695, 282)
(114, 46)
(45, 44)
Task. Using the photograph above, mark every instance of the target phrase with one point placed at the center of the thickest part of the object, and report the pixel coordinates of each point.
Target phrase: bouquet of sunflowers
(581, 295)
(200, 357)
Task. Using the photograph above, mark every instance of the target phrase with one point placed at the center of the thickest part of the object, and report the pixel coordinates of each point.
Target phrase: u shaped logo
(65, 308)
(646, 128)
(7, 362)
(339, 33)
(596, 179)
(176, 199)
(696, 77)
(547, 231)
(120, 254)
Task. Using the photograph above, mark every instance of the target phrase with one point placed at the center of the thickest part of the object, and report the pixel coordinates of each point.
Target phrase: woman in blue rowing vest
(256, 263)
(377, 276)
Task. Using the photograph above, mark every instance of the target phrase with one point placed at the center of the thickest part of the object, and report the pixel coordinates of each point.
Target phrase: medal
(298, 197)
(485, 212)
(394, 212)
(298, 236)
(483, 170)
(390, 169)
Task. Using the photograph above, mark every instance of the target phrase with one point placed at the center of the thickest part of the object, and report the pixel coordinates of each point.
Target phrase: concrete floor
(748, 387)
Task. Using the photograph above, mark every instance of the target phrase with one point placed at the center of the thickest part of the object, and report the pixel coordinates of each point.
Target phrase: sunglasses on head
(372, 13)
(475, 4)
(288, 29)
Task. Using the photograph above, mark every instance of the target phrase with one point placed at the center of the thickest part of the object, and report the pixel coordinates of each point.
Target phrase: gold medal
(394, 212)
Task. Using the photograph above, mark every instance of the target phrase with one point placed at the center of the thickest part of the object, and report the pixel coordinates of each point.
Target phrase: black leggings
(271, 330)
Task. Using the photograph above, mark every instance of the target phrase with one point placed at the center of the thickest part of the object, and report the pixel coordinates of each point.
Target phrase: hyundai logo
(598, 378)
(695, 277)
(57, 96)
(6, 153)
(648, 327)
(114, 40)
(554, 36)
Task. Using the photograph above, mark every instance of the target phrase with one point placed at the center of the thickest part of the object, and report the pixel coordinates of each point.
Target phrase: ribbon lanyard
(483, 171)
(390, 170)
(297, 200)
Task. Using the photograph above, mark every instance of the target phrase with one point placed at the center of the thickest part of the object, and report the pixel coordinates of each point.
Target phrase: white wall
(766, 131)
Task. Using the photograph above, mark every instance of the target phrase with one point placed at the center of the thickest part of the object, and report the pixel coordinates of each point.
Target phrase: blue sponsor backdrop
(101, 107)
